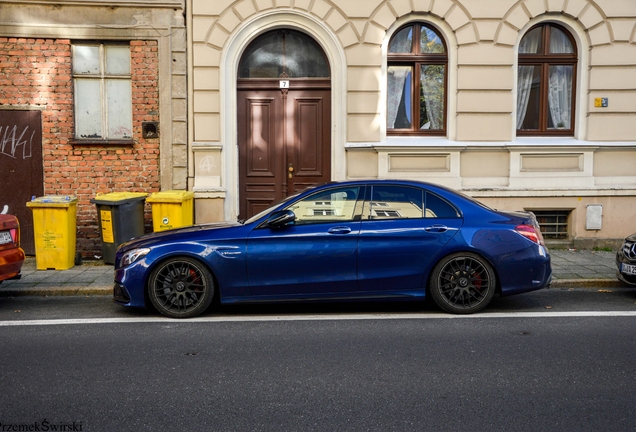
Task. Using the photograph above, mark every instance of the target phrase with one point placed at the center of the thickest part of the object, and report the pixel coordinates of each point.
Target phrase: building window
(416, 82)
(102, 91)
(546, 82)
(553, 223)
(284, 53)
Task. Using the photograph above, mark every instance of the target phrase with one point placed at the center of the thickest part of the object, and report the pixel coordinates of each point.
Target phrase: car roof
(417, 183)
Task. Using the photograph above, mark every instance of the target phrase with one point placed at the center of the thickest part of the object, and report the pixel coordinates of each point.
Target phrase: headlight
(133, 255)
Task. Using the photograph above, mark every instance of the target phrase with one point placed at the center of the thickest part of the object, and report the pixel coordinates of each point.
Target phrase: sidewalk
(570, 268)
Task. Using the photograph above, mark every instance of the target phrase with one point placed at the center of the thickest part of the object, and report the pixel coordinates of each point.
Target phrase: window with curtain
(546, 81)
(103, 92)
(416, 81)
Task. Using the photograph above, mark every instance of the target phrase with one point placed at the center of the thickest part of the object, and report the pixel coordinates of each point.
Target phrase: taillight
(531, 233)
(15, 235)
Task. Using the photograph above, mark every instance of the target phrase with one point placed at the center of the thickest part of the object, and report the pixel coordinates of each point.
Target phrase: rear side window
(405, 202)
(437, 207)
(395, 202)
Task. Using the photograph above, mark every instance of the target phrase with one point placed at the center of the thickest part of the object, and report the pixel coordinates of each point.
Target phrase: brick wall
(37, 72)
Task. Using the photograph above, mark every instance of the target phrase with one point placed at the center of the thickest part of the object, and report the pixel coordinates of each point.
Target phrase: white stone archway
(230, 58)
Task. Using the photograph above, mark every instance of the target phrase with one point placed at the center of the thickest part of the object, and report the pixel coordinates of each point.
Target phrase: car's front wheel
(462, 283)
(181, 288)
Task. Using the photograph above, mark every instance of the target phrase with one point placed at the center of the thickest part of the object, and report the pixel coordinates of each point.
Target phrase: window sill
(441, 142)
(98, 142)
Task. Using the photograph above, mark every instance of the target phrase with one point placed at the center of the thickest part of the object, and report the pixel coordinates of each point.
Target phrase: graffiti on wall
(16, 142)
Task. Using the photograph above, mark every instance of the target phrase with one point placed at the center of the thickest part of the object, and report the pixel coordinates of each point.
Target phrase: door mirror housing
(281, 218)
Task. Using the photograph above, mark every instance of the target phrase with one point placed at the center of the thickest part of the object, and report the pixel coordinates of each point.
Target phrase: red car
(11, 254)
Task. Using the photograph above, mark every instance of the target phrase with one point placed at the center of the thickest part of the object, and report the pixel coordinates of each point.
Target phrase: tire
(463, 283)
(181, 288)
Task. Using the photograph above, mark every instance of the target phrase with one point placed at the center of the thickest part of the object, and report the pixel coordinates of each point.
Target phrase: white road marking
(335, 317)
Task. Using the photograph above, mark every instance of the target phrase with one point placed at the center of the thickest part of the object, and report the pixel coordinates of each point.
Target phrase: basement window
(553, 223)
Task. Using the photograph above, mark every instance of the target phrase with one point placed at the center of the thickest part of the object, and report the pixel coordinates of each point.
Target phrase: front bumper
(626, 278)
(120, 294)
(129, 285)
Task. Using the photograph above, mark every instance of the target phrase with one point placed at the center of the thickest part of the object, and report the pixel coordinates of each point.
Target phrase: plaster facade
(481, 153)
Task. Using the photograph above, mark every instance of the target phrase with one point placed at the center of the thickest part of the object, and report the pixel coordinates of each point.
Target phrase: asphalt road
(549, 360)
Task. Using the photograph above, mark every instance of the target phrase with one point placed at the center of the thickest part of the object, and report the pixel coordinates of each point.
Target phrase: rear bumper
(528, 270)
(11, 261)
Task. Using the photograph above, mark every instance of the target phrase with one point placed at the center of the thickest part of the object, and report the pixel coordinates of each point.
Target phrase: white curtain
(560, 82)
(397, 88)
(560, 96)
(402, 42)
(559, 42)
(529, 44)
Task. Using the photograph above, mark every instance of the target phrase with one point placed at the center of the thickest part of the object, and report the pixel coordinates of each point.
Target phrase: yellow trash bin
(54, 231)
(171, 209)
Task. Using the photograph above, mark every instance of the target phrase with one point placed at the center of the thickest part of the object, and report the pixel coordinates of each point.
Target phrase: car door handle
(339, 230)
(436, 228)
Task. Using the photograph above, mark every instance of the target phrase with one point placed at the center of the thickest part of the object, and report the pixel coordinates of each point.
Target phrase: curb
(586, 283)
(103, 291)
(55, 292)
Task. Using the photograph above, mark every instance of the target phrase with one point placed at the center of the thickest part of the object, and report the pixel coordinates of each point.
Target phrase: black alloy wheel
(463, 283)
(181, 288)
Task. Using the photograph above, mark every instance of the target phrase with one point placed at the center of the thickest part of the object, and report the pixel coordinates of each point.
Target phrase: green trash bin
(121, 217)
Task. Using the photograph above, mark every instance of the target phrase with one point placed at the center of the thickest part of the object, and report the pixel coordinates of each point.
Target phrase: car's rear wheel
(463, 283)
(181, 288)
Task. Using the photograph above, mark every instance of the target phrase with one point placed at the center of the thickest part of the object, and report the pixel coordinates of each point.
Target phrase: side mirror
(281, 218)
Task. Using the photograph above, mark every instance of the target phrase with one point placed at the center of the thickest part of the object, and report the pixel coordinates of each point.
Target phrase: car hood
(181, 234)
(631, 238)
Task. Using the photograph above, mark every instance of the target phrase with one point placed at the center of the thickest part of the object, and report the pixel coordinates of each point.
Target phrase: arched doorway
(284, 118)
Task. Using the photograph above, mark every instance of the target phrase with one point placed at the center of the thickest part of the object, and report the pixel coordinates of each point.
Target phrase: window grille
(553, 223)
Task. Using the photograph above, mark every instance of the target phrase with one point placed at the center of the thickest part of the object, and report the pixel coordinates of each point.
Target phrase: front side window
(416, 82)
(333, 205)
(546, 82)
(102, 91)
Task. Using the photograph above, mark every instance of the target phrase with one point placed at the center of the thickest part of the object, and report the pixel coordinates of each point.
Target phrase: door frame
(284, 147)
(229, 61)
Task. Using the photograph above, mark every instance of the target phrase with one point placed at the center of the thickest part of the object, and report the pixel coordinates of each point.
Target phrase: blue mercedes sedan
(372, 240)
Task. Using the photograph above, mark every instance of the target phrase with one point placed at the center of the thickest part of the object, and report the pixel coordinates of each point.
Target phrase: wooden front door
(284, 140)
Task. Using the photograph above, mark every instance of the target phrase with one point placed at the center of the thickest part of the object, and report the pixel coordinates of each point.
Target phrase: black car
(626, 261)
